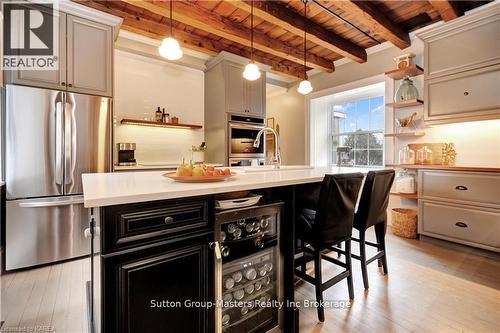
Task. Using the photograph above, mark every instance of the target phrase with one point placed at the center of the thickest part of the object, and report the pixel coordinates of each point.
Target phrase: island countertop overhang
(108, 189)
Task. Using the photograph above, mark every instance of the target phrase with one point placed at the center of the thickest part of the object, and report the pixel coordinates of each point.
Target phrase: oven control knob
(225, 251)
(259, 243)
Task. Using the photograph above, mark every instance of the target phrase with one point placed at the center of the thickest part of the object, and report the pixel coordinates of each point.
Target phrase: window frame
(362, 95)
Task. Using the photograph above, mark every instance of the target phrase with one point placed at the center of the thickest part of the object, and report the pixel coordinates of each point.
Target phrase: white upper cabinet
(85, 59)
(235, 88)
(462, 69)
(243, 96)
(89, 56)
(55, 79)
(256, 91)
(464, 47)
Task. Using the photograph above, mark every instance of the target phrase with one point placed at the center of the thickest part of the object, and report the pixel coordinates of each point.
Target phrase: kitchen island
(152, 241)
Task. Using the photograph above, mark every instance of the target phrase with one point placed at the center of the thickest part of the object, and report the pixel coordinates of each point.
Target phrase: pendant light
(170, 48)
(305, 86)
(251, 71)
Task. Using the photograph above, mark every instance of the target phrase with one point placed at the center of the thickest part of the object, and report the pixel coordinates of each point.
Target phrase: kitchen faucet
(276, 161)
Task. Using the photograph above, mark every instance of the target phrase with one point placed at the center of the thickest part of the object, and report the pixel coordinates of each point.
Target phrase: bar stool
(325, 224)
(372, 212)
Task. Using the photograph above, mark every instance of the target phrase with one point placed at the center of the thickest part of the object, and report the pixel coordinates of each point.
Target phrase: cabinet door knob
(63, 84)
(461, 225)
(70, 85)
(466, 93)
(461, 188)
(87, 233)
(169, 219)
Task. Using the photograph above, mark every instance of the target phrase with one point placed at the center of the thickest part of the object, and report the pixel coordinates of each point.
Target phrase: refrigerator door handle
(51, 202)
(59, 123)
(70, 140)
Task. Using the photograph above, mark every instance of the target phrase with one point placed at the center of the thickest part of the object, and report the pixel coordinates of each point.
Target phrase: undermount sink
(265, 168)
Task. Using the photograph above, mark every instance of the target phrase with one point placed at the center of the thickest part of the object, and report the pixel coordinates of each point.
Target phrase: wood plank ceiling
(336, 28)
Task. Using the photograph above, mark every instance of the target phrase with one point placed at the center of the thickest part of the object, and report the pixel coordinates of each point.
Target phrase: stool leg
(348, 261)
(380, 233)
(318, 282)
(362, 255)
(304, 257)
(339, 245)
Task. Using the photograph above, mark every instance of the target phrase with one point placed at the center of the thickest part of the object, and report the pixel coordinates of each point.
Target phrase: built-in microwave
(242, 132)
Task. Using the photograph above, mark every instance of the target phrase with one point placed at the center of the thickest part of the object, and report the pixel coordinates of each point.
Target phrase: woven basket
(404, 222)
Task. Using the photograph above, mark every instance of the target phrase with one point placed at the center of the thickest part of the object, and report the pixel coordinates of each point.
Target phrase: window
(358, 122)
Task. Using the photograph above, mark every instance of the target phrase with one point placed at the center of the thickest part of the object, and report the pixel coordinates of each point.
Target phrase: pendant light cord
(251, 33)
(305, 38)
(171, 29)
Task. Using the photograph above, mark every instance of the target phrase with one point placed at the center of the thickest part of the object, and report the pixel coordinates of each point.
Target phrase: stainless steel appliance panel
(241, 138)
(34, 142)
(45, 230)
(87, 138)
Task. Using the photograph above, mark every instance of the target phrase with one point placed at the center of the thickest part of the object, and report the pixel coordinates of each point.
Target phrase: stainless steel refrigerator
(51, 138)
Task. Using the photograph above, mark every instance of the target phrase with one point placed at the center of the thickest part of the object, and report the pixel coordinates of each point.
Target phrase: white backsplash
(159, 145)
(142, 84)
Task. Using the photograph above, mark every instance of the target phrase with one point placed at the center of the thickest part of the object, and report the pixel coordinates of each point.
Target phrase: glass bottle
(406, 91)
(158, 115)
(229, 283)
(250, 274)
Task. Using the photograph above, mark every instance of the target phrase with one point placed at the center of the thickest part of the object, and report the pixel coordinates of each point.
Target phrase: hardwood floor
(429, 288)
(50, 296)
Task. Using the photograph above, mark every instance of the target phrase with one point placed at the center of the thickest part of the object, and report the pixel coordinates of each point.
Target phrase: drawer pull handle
(461, 188)
(461, 225)
(168, 220)
(466, 93)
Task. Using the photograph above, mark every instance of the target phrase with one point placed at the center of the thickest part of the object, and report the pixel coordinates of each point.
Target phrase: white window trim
(309, 149)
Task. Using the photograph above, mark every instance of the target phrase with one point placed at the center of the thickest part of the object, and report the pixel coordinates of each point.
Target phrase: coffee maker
(126, 154)
(343, 156)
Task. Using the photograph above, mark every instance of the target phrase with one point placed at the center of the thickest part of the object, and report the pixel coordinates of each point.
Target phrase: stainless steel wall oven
(242, 131)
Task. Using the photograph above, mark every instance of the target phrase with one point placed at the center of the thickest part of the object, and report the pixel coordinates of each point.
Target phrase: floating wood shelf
(405, 195)
(398, 74)
(404, 104)
(405, 134)
(140, 122)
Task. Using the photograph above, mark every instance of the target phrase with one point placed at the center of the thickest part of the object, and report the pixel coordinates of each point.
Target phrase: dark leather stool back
(374, 199)
(335, 208)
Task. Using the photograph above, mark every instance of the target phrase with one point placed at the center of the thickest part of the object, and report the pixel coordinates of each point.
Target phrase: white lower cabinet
(463, 224)
(462, 207)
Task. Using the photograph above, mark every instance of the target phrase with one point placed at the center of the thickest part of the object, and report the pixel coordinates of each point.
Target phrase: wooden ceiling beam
(194, 15)
(377, 21)
(293, 22)
(190, 40)
(446, 9)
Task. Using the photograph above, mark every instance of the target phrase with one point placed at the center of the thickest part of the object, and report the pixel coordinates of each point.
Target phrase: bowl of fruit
(198, 173)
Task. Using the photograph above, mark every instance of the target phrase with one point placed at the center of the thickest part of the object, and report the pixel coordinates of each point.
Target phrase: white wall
(141, 85)
(288, 111)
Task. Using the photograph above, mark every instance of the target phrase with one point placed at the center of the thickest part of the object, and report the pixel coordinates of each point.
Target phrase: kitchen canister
(406, 91)
(405, 182)
(424, 155)
(406, 155)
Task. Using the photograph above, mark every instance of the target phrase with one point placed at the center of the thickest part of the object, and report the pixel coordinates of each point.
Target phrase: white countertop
(106, 189)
